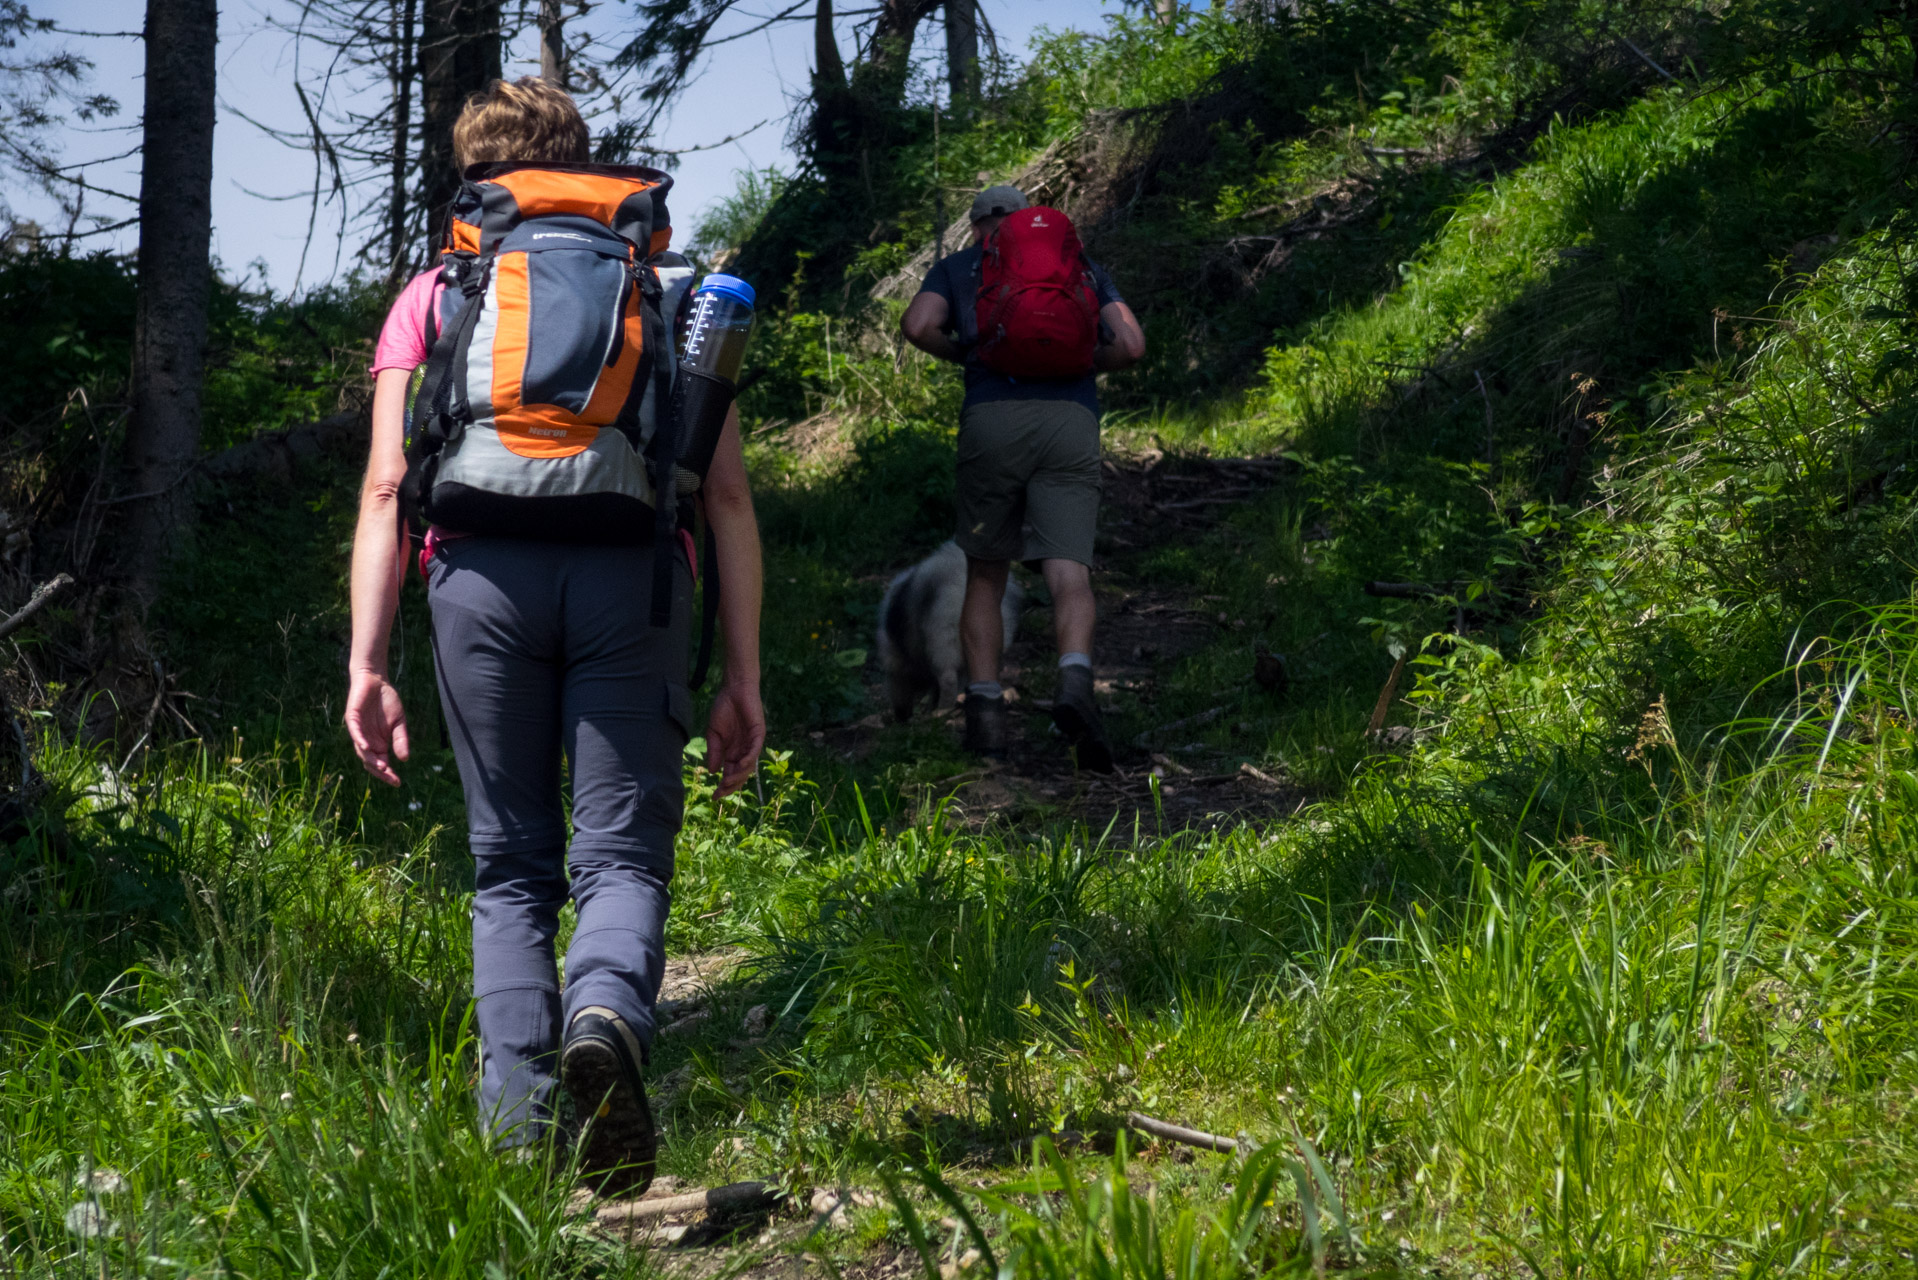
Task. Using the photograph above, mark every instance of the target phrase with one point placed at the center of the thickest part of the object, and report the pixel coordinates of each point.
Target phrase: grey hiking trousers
(544, 649)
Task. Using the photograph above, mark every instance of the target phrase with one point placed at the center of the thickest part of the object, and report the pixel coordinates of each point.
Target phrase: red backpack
(1038, 316)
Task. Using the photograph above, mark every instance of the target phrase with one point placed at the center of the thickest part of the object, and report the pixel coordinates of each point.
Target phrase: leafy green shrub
(68, 325)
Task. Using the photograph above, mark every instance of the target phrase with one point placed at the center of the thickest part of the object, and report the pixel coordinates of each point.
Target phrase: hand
(377, 724)
(735, 734)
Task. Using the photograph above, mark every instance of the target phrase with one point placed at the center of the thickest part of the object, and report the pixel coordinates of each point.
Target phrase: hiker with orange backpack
(1033, 320)
(555, 445)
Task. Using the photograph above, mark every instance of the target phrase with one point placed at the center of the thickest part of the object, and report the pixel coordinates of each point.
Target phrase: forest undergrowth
(1606, 965)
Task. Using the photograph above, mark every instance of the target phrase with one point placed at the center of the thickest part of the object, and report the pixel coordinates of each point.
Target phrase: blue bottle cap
(731, 286)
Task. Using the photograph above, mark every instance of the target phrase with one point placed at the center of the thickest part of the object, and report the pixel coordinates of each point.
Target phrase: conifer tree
(175, 276)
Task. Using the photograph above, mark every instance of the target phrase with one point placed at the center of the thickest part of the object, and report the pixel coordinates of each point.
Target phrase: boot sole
(618, 1143)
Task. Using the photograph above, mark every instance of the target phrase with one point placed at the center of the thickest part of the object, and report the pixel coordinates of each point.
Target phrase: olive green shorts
(1028, 480)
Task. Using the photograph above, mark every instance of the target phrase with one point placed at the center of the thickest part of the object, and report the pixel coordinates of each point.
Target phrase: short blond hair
(525, 119)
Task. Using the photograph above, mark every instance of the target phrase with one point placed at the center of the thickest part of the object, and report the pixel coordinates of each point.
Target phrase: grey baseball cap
(996, 201)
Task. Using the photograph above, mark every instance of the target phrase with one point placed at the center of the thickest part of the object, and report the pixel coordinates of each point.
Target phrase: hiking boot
(986, 725)
(599, 1069)
(1076, 712)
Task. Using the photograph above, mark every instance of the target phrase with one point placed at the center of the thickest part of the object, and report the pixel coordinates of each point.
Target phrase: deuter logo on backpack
(1038, 315)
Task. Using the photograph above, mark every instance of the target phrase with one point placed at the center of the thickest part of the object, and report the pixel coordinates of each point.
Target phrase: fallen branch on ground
(35, 602)
(1402, 590)
(734, 1197)
(1180, 1134)
(1204, 717)
(1211, 500)
(1387, 694)
(282, 450)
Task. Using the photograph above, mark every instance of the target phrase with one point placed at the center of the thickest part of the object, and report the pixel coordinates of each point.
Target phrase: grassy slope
(1578, 985)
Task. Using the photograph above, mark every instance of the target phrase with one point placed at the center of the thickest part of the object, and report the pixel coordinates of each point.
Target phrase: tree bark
(175, 277)
(891, 54)
(552, 43)
(962, 53)
(829, 69)
(1166, 11)
(459, 56)
(406, 15)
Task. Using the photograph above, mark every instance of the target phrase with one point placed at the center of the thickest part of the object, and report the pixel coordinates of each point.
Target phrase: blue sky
(260, 231)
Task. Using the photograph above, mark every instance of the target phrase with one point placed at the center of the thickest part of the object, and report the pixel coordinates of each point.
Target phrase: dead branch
(735, 1197)
(1180, 1134)
(282, 449)
(1231, 493)
(1204, 717)
(1387, 694)
(36, 602)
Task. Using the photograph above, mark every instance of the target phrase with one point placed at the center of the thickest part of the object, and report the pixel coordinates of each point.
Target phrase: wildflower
(103, 1182)
(87, 1220)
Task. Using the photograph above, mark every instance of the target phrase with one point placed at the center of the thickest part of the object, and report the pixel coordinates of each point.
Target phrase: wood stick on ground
(1389, 692)
(1179, 1133)
(37, 601)
(734, 1197)
(1400, 590)
(1204, 717)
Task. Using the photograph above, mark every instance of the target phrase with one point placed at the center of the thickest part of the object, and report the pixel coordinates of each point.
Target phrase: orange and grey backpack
(540, 412)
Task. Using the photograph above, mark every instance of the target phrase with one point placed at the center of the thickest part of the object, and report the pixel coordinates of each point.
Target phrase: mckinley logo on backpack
(538, 414)
(1036, 311)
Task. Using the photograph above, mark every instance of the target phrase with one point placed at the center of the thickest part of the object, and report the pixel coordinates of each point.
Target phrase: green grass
(1611, 972)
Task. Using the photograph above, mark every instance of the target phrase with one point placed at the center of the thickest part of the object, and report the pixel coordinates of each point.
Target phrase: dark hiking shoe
(1076, 712)
(986, 725)
(599, 1069)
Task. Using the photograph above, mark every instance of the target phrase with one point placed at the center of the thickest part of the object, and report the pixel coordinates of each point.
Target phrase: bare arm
(374, 719)
(736, 730)
(1127, 347)
(924, 325)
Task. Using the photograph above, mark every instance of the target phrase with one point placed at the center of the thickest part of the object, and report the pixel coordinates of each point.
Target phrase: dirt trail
(1144, 631)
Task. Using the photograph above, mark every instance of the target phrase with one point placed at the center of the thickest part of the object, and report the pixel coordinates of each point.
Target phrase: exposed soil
(1143, 631)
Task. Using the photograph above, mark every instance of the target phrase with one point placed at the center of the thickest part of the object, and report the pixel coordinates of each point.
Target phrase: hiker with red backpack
(552, 462)
(1033, 320)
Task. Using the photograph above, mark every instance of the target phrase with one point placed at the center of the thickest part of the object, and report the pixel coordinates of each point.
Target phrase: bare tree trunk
(898, 21)
(552, 43)
(176, 229)
(1166, 11)
(962, 53)
(829, 69)
(405, 16)
(459, 56)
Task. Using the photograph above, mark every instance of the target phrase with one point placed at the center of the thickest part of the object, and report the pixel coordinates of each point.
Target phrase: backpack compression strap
(665, 444)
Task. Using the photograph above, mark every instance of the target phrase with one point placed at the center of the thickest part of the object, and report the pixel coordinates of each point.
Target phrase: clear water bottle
(717, 326)
(716, 332)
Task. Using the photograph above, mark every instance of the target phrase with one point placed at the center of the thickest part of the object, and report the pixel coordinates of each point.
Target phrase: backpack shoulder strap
(436, 417)
(965, 300)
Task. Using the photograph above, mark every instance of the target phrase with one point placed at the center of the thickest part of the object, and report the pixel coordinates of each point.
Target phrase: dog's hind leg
(948, 693)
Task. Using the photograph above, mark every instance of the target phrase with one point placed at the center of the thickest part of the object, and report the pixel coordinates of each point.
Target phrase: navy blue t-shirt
(956, 279)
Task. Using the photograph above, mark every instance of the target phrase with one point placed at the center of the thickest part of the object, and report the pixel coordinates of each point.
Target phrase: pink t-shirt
(403, 340)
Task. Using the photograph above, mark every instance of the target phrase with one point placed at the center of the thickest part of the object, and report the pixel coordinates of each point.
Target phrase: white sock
(1076, 660)
(985, 689)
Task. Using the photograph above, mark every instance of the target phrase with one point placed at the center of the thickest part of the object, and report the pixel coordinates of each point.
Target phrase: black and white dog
(919, 630)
